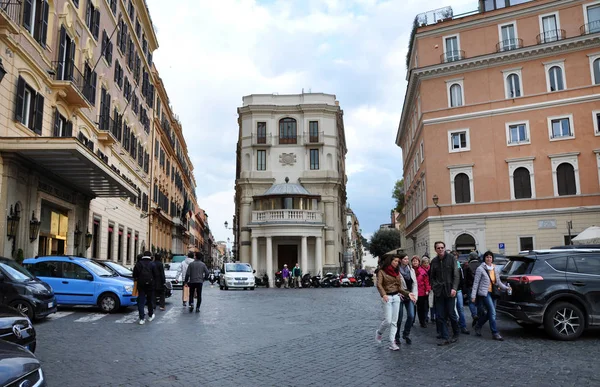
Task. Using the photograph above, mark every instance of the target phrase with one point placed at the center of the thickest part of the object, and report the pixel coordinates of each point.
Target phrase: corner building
(500, 128)
(290, 198)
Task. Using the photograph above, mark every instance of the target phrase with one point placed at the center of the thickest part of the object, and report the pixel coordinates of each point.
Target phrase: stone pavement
(294, 337)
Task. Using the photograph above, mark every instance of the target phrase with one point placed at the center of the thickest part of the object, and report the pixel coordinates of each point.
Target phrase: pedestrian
(410, 280)
(460, 307)
(469, 269)
(363, 277)
(297, 274)
(185, 291)
(422, 275)
(487, 279)
(430, 301)
(194, 278)
(285, 274)
(390, 285)
(159, 282)
(144, 273)
(444, 279)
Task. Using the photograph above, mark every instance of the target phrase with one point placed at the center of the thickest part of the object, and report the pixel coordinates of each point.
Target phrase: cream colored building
(290, 183)
(500, 129)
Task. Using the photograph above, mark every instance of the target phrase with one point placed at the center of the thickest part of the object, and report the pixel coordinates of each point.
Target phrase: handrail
(590, 28)
(509, 44)
(551, 36)
(452, 56)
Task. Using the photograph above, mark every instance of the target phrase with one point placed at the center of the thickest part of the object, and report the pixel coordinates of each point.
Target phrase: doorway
(53, 230)
(287, 255)
(465, 243)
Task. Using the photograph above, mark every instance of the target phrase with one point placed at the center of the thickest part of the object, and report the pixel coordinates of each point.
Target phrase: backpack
(146, 277)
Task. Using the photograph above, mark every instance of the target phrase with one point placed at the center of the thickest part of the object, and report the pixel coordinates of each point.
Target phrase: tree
(384, 240)
(364, 242)
(398, 195)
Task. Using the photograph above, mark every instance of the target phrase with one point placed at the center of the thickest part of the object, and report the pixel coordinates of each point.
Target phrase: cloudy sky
(214, 52)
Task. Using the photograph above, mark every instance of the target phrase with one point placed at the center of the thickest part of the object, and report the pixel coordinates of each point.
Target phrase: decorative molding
(520, 159)
(246, 243)
(329, 242)
(287, 159)
(568, 154)
(245, 229)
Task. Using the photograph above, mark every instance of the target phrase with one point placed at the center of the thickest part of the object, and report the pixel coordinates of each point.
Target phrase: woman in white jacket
(410, 279)
(185, 291)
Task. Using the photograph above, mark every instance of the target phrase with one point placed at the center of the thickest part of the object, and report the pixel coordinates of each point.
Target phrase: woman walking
(410, 279)
(422, 275)
(390, 285)
(486, 278)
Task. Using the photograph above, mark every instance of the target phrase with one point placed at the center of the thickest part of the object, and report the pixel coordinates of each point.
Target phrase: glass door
(509, 38)
(550, 29)
(452, 52)
(593, 14)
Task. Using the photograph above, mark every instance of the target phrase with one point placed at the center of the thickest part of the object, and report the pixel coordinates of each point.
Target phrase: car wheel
(226, 287)
(252, 288)
(245, 288)
(108, 303)
(24, 308)
(564, 321)
(221, 287)
(528, 325)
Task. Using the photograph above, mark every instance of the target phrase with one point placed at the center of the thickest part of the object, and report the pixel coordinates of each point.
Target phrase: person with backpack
(194, 278)
(144, 273)
(297, 274)
(159, 282)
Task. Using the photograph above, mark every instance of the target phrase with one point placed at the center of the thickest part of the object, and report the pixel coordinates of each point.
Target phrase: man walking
(194, 277)
(185, 291)
(297, 274)
(285, 273)
(444, 278)
(144, 273)
(469, 270)
(159, 282)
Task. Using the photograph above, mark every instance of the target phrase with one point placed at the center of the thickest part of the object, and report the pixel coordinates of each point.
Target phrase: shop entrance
(53, 230)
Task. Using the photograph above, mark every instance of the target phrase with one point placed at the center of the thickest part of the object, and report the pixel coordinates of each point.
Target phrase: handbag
(496, 292)
(134, 292)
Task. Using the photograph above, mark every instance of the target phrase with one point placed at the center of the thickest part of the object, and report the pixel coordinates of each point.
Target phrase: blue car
(81, 281)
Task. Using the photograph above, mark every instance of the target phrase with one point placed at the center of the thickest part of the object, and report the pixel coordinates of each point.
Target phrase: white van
(236, 275)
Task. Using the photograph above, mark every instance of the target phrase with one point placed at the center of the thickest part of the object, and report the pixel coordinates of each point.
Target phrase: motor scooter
(306, 280)
(316, 280)
(278, 279)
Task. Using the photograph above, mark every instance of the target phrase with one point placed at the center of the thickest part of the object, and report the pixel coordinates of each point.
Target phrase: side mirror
(89, 277)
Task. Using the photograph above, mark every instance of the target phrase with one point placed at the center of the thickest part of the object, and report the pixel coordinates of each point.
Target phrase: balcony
(109, 130)
(551, 36)
(314, 139)
(10, 15)
(452, 56)
(590, 28)
(266, 140)
(509, 44)
(71, 82)
(287, 216)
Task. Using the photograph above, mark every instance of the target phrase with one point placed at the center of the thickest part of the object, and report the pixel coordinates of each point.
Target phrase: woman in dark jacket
(159, 282)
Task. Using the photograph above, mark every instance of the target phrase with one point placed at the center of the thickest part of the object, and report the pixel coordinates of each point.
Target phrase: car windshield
(96, 268)
(518, 266)
(15, 271)
(173, 266)
(238, 267)
(122, 270)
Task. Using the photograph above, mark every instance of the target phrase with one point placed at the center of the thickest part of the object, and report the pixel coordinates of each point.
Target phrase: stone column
(254, 253)
(304, 259)
(330, 235)
(319, 255)
(244, 243)
(270, 272)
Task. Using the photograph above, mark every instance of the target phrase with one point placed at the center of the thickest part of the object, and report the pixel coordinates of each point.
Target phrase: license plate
(240, 283)
(50, 304)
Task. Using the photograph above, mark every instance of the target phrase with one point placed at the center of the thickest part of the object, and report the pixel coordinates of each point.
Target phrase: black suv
(557, 288)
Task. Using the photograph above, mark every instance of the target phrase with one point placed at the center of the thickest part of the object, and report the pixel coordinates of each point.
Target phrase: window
(107, 48)
(313, 131)
(29, 107)
(556, 78)
(526, 243)
(561, 127)
(261, 132)
(314, 159)
(461, 184)
(517, 133)
(90, 79)
(458, 141)
(118, 74)
(512, 83)
(452, 49)
(287, 131)
(588, 264)
(109, 245)
(455, 93)
(104, 117)
(522, 183)
(62, 127)
(549, 29)
(422, 147)
(508, 37)
(66, 57)
(261, 160)
(35, 19)
(568, 241)
(92, 19)
(113, 6)
(595, 68)
(596, 122)
(44, 269)
(592, 19)
(490, 5)
(565, 174)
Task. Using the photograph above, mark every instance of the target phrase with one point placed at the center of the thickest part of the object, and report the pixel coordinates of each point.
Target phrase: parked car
(22, 291)
(559, 289)
(178, 258)
(236, 275)
(19, 367)
(16, 328)
(171, 274)
(116, 268)
(81, 281)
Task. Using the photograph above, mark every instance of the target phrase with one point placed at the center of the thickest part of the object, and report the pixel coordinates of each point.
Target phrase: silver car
(171, 274)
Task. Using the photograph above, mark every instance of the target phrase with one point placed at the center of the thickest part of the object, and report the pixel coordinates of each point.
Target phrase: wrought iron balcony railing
(551, 36)
(509, 44)
(452, 56)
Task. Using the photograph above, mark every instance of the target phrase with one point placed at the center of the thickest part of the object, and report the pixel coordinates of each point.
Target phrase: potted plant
(20, 257)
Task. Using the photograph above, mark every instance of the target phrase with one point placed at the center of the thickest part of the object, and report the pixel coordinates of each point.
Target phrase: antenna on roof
(287, 179)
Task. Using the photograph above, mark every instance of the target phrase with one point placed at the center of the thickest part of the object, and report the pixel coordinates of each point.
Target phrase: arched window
(522, 183)
(456, 98)
(556, 78)
(565, 177)
(512, 86)
(596, 67)
(287, 131)
(462, 190)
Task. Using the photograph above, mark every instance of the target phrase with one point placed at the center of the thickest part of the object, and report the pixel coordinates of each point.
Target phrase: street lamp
(435, 201)
(77, 235)
(34, 227)
(12, 222)
(88, 239)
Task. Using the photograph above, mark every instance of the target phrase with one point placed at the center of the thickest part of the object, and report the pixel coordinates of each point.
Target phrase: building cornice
(290, 109)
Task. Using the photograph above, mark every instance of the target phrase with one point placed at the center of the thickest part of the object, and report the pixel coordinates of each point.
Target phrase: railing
(452, 56)
(66, 71)
(590, 28)
(509, 44)
(266, 140)
(109, 125)
(551, 36)
(314, 138)
(12, 9)
(287, 216)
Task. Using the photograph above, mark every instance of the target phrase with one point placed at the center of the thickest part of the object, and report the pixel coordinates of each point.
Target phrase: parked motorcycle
(278, 279)
(306, 281)
(345, 282)
(330, 280)
(316, 281)
(212, 278)
(262, 280)
(369, 280)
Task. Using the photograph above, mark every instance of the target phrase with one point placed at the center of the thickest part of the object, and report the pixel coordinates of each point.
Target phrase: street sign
(501, 246)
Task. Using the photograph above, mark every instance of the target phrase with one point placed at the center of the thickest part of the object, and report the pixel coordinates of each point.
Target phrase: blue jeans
(444, 310)
(143, 293)
(472, 305)
(410, 318)
(390, 314)
(460, 308)
(487, 311)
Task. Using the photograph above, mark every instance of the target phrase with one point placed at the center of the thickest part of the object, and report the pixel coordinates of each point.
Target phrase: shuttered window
(462, 191)
(565, 176)
(522, 183)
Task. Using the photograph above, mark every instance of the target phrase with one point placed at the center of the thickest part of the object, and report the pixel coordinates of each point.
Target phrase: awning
(68, 160)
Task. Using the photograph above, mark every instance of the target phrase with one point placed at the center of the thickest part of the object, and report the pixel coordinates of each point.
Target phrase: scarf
(405, 270)
(489, 267)
(389, 270)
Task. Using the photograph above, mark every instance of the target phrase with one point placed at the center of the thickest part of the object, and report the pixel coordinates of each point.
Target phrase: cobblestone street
(271, 337)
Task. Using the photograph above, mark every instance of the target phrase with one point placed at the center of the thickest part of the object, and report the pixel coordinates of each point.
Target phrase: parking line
(91, 317)
(58, 315)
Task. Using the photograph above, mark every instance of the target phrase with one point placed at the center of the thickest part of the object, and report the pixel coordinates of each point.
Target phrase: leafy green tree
(384, 240)
(398, 195)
